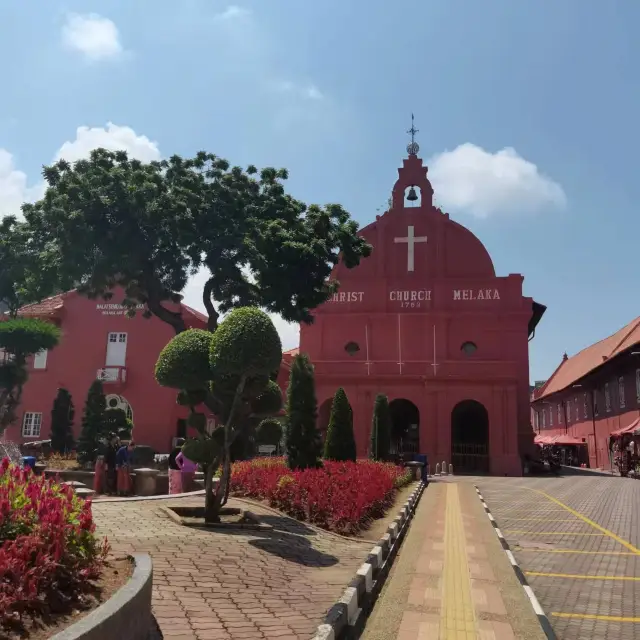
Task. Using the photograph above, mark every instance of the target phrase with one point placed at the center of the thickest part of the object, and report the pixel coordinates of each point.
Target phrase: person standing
(175, 475)
(187, 471)
(110, 463)
(123, 466)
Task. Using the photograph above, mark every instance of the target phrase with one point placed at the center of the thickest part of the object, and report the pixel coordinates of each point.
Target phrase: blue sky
(326, 89)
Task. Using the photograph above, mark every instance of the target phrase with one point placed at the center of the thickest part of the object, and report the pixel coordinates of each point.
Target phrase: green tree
(229, 371)
(20, 338)
(381, 429)
(62, 416)
(340, 443)
(269, 432)
(116, 421)
(302, 439)
(93, 423)
(147, 227)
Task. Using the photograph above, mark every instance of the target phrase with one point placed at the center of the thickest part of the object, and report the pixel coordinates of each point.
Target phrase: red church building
(426, 321)
(593, 394)
(100, 341)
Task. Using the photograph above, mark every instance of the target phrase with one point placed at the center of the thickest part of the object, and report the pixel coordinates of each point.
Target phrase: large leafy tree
(302, 439)
(111, 220)
(229, 371)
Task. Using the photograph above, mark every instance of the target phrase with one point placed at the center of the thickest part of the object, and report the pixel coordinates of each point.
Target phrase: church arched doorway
(405, 427)
(470, 437)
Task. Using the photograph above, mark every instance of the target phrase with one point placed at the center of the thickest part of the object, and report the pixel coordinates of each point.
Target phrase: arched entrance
(470, 437)
(405, 427)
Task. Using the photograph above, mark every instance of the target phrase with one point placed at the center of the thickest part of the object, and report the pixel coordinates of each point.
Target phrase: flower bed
(48, 551)
(341, 496)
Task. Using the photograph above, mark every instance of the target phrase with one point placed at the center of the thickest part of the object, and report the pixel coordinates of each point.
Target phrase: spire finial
(413, 147)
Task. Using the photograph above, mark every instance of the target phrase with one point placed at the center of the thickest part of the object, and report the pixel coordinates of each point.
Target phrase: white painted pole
(437, 468)
(450, 469)
(444, 467)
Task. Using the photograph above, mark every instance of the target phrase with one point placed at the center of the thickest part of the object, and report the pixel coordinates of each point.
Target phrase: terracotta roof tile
(573, 369)
(291, 352)
(46, 307)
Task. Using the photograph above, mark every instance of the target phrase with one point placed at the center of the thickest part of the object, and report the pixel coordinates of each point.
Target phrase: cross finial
(413, 146)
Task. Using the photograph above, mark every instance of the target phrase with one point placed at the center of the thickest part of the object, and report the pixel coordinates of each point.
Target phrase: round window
(352, 348)
(468, 348)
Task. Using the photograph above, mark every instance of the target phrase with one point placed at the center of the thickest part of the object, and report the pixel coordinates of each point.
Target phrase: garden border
(345, 620)
(126, 615)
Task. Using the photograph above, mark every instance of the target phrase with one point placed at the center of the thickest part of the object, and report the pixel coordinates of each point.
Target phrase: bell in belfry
(412, 196)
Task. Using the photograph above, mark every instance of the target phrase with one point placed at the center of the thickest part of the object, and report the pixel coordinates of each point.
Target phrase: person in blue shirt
(123, 466)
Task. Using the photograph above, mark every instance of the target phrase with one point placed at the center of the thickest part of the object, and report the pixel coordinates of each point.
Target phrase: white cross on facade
(411, 243)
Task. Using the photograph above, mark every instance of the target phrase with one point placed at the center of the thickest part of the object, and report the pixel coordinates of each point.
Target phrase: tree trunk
(228, 484)
(209, 497)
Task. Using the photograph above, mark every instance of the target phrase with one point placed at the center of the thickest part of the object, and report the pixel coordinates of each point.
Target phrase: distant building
(100, 341)
(593, 393)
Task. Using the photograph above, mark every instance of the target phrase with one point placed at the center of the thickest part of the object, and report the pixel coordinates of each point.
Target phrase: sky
(527, 114)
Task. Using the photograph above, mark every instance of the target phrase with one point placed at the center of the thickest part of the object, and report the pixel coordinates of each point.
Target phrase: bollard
(428, 470)
(450, 469)
(438, 469)
(444, 467)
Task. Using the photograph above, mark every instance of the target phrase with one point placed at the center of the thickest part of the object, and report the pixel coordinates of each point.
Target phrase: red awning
(541, 440)
(628, 429)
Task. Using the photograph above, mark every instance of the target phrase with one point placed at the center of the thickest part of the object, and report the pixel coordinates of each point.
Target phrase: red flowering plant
(340, 496)
(49, 553)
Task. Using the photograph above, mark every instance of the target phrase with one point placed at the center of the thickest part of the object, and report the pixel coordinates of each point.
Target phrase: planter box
(125, 616)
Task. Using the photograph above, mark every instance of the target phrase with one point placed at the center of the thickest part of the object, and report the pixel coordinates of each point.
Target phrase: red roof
(628, 429)
(46, 307)
(584, 362)
(291, 352)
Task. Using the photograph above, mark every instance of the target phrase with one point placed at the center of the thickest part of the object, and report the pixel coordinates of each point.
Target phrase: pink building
(593, 393)
(100, 341)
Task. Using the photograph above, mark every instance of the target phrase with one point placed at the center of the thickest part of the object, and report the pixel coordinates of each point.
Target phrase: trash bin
(420, 457)
(29, 461)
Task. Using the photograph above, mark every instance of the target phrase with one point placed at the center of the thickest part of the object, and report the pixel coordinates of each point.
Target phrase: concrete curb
(126, 615)
(542, 616)
(345, 620)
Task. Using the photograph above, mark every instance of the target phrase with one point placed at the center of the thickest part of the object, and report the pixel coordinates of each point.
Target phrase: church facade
(426, 321)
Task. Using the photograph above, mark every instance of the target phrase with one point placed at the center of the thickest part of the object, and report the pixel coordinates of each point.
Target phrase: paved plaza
(233, 585)
(578, 541)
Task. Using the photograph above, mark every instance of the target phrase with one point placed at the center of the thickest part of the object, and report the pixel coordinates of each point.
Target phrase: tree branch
(212, 322)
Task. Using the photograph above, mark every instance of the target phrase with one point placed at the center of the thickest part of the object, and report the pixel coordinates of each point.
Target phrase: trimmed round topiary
(245, 343)
(184, 362)
(28, 335)
(269, 401)
(269, 431)
(191, 398)
(201, 451)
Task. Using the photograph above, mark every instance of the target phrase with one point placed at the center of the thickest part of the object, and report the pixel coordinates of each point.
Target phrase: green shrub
(269, 401)
(143, 455)
(184, 362)
(340, 443)
(62, 416)
(93, 423)
(381, 429)
(269, 431)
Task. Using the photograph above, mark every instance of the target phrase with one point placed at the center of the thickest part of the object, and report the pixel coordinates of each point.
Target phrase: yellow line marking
(457, 616)
(594, 553)
(591, 523)
(591, 616)
(551, 533)
(545, 519)
(580, 577)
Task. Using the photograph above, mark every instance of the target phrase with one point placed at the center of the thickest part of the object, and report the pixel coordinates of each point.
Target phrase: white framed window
(621, 398)
(40, 360)
(638, 385)
(31, 424)
(536, 419)
(550, 416)
(568, 411)
(544, 419)
(116, 349)
(584, 406)
(559, 414)
(575, 400)
(607, 397)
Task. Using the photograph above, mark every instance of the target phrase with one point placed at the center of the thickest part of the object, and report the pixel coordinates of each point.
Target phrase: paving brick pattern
(526, 517)
(233, 585)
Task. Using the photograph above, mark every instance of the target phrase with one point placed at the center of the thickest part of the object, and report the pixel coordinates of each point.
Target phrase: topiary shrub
(184, 362)
(340, 443)
(93, 423)
(143, 456)
(381, 429)
(62, 415)
(269, 401)
(302, 439)
(116, 421)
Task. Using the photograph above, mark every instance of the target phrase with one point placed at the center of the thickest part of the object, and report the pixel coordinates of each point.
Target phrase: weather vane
(413, 147)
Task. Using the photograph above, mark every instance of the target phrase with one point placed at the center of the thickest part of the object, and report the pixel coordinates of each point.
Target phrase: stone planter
(145, 482)
(125, 616)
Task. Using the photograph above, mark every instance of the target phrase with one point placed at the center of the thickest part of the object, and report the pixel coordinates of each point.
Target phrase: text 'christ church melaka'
(426, 321)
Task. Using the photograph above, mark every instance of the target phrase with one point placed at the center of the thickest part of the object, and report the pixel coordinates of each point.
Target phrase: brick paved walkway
(240, 585)
(577, 538)
(452, 580)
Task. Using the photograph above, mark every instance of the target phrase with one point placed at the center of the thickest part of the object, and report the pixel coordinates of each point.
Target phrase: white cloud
(472, 180)
(232, 12)
(94, 36)
(111, 137)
